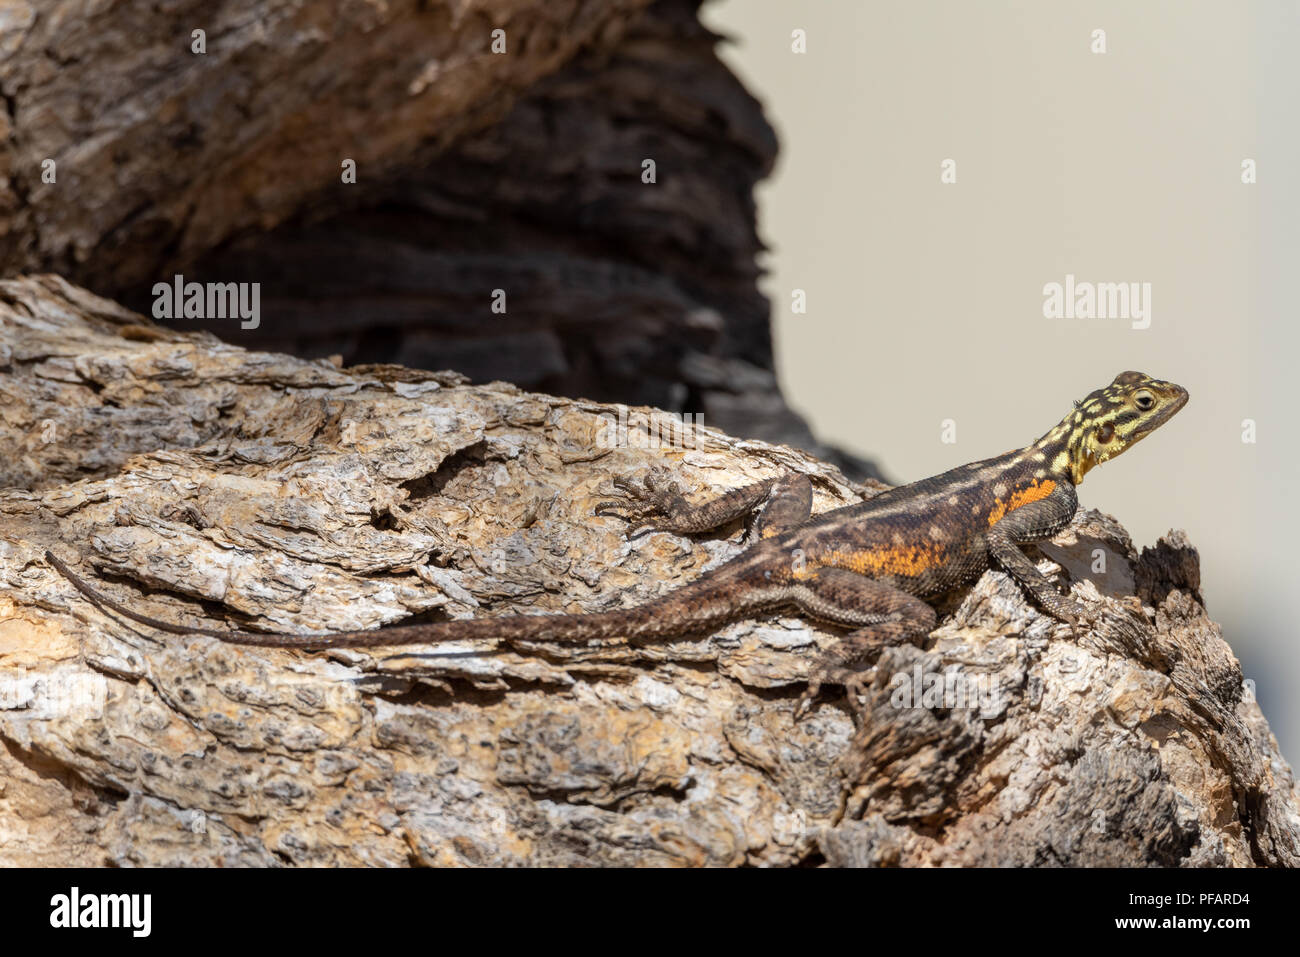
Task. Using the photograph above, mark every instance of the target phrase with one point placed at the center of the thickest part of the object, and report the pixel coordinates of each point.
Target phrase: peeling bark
(164, 153)
(476, 171)
(212, 485)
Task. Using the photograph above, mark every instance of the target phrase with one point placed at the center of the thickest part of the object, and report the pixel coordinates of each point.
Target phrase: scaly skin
(867, 567)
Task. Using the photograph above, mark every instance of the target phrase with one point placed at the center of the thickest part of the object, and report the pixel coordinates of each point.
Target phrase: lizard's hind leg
(879, 613)
(788, 504)
(657, 504)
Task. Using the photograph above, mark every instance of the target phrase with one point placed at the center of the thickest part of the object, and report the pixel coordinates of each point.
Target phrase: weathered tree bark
(163, 153)
(207, 484)
(519, 172)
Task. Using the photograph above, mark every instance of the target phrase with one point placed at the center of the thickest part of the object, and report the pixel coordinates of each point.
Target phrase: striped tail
(688, 610)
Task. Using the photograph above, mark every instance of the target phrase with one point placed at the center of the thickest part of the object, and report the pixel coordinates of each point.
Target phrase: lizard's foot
(1072, 613)
(854, 682)
(1098, 619)
(1078, 619)
(805, 702)
(652, 504)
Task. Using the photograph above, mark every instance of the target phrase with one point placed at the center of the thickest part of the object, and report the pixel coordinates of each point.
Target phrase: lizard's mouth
(1175, 397)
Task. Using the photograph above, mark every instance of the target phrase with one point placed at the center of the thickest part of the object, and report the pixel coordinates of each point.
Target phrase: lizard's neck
(1069, 449)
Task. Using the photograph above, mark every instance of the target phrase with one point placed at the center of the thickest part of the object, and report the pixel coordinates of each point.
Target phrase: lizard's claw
(805, 703)
(1078, 620)
(647, 505)
(1085, 621)
(855, 688)
(1072, 613)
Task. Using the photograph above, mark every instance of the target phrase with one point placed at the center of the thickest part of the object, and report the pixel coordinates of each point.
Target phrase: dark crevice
(432, 484)
(208, 609)
(1250, 805)
(88, 796)
(16, 182)
(430, 616)
(634, 799)
(814, 858)
(464, 691)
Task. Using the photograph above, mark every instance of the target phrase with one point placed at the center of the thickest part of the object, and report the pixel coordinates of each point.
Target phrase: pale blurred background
(925, 300)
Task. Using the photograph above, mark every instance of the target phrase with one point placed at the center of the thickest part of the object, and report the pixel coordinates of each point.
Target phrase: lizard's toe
(855, 686)
(627, 511)
(628, 486)
(1073, 614)
(804, 705)
(650, 503)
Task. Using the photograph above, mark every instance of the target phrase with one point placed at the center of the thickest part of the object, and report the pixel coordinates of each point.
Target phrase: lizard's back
(927, 536)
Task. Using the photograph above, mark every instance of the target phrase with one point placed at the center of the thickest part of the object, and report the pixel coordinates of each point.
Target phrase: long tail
(691, 609)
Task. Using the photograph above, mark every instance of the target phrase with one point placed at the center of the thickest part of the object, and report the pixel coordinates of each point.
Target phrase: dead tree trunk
(500, 152)
(163, 150)
(207, 484)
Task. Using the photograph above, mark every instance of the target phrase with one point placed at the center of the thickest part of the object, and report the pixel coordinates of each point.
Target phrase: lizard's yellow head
(1111, 420)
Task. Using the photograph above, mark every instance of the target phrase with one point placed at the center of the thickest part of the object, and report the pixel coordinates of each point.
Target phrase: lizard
(867, 567)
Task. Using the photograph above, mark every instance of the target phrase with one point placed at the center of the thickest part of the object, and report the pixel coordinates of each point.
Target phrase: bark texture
(209, 484)
(164, 153)
(476, 172)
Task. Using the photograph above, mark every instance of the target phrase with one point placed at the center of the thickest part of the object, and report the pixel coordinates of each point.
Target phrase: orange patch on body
(905, 560)
(1032, 493)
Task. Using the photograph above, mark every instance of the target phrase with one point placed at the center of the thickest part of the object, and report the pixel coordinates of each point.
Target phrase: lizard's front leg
(1036, 522)
(657, 504)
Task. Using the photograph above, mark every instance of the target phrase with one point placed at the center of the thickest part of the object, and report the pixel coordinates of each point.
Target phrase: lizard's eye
(1145, 401)
(1106, 433)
